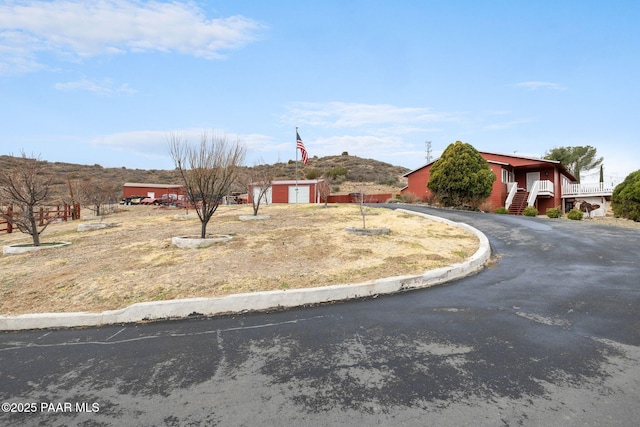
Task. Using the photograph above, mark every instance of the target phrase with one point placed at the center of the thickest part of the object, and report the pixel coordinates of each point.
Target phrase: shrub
(313, 173)
(625, 200)
(430, 199)
(408, 198)
(461, 176)
(486, 206)
(575, 214)
(337, 172)
(530, 211)
(554, 212)
(501, 210)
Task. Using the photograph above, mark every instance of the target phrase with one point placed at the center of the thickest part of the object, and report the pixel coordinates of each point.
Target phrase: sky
(109, 81)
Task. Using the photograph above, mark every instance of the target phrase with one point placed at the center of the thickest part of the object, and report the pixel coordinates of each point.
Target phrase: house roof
(421, 167)
(299, 182)
(147, 185)
(556, 163)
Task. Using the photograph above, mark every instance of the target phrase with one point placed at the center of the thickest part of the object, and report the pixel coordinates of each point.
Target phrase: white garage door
(302, 192)
(266, 197)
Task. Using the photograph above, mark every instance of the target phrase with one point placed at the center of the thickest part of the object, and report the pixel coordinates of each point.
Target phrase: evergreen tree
(576, 159)
(625, 199)
(461, 176)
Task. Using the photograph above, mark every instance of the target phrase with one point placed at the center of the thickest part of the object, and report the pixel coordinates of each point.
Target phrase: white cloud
(105, 87)
(351, 115)
(381, 131)
(78, 28)
(152, 143)
(539, 85)
(139, 142)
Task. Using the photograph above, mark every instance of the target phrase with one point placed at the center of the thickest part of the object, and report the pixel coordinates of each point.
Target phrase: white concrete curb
(260, 300)
(20, 249)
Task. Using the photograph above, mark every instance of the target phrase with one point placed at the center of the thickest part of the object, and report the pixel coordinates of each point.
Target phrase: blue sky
(106, 81)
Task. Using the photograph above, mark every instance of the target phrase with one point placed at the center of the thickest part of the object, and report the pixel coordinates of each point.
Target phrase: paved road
(548, 335)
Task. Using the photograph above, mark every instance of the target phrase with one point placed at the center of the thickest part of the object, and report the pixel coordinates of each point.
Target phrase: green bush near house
(554, 212)
(501, 210)
(461, 177)
(575, 214)
(530, 211)
(625, 200)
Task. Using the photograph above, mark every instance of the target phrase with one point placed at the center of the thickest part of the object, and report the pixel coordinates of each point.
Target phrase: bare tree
(360, 199)
(208, 170)
(23, 184)
(324, 188)
(95, 195)
(259, 183)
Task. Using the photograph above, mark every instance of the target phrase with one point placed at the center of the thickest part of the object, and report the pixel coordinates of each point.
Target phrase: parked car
(133, 200)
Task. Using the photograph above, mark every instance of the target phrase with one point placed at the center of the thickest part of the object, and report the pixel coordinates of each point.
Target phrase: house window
(507, 176)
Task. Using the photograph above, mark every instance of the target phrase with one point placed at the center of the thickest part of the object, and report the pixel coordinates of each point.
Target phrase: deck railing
(596, 189)
(544, 187)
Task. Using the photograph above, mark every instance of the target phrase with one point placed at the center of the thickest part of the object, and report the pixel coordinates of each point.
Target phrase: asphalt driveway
(547, 335)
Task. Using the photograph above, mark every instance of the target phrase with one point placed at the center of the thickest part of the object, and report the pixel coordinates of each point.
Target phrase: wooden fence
(355, 197)
(65, 213)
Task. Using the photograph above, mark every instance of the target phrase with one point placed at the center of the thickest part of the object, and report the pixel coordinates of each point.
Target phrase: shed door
(531, 178)
(302, 194)
(266, 197)
(151, 194)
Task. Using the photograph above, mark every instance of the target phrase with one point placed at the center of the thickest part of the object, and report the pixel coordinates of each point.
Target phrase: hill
(345, 171)
(342, 169)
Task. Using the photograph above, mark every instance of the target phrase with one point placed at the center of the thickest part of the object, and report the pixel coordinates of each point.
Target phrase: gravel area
(293, 247)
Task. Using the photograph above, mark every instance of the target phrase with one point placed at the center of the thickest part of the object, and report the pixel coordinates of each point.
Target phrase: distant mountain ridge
(344, 170)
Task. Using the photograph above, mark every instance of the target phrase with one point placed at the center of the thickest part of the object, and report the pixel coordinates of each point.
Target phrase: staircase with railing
(518, 199)
(518, 203)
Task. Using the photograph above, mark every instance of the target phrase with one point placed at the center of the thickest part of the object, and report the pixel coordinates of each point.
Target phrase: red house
(520, 182)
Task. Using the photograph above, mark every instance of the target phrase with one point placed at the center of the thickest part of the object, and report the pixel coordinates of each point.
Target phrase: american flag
(303, 151)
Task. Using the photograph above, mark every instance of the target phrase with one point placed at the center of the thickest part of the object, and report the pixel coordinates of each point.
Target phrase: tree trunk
(34, 231)
(203, 229)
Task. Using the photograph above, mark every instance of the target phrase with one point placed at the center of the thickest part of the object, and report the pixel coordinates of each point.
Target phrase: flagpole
(296, 165)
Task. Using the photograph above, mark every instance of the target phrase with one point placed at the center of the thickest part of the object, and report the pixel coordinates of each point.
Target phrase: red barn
(136, 190)
(290, 191)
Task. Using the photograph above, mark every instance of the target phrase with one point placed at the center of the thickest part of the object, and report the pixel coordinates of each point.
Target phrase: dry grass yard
(296, 247)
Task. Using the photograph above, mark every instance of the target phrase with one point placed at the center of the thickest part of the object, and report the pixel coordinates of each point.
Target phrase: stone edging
(186, 242)
(19, 249)
(260, 301)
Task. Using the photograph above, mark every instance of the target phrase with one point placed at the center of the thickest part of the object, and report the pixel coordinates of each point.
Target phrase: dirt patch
(296, 247)
(610, 220)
